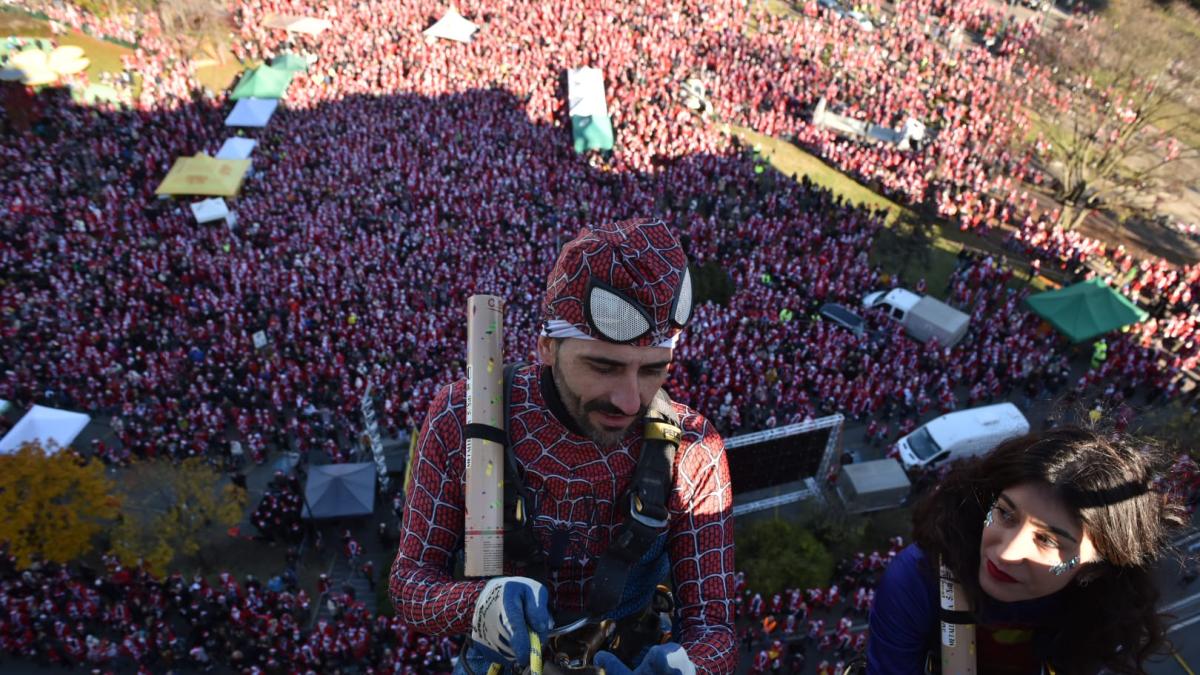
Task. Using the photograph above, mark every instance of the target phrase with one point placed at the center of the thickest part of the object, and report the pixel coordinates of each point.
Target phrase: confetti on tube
(958, 632)
(484, 527)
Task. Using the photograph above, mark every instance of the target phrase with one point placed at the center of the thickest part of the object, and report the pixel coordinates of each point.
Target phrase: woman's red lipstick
(999, 575)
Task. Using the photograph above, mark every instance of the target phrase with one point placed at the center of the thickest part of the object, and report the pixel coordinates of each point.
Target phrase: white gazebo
(209, 210)
(45, 426)
(237, 148)
(309, 25)
(452, 26)
(252, 112)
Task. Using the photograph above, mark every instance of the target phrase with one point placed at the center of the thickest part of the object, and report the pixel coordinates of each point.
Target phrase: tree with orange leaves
(52, 503)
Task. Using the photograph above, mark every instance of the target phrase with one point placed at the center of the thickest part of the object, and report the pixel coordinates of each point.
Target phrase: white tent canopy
(44, 426)
(299, 24)
(209, 210)
(237, 148)
(452, 26)
(252, 112)
(585, 93)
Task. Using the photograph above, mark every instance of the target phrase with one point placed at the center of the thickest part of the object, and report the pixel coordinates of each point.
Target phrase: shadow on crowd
(364, 226)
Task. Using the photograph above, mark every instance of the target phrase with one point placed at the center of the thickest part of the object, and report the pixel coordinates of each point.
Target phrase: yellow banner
(203, 175)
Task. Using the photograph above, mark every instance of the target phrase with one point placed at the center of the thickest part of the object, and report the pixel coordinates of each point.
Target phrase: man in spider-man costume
(616, 303)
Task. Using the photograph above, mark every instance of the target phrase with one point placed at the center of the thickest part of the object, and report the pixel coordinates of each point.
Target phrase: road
(1184, 603)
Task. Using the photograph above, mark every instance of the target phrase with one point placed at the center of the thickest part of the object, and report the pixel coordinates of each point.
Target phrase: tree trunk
(1080, 216)
(1072, 215)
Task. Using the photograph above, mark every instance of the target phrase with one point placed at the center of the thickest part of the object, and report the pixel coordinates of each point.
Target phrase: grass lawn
(947, 241)
(220, 77)
(241, 555)
(792, 161)
(105, 56)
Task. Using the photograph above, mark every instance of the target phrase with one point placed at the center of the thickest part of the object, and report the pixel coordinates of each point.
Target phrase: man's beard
(579, 412)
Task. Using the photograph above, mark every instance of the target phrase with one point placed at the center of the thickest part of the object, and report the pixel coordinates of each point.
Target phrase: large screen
(771, 462)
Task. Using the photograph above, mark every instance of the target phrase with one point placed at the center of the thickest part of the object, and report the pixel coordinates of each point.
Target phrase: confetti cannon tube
(484, 527)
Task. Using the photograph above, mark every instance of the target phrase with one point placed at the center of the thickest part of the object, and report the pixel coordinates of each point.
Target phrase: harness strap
(485, 432)
(521, 547)
(645, 503)
(960, 618)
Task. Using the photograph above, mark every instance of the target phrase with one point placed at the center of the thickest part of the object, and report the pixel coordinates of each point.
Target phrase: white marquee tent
(591, 127)
(585, 93)
(45, 426)
(252, 112)
(452, 26)
(237, 148)
(209, 210)
(299, 24)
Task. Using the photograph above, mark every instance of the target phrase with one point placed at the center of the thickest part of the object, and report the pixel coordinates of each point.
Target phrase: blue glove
(664, 659)
(507, 609)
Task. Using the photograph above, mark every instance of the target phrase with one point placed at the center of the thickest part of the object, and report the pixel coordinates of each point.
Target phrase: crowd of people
(783, 629)
(126, 620)
(402, 175)
(970, 103)
(278, 514)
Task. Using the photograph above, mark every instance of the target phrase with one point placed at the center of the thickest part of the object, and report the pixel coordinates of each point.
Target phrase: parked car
(861, 19)
(844, 317)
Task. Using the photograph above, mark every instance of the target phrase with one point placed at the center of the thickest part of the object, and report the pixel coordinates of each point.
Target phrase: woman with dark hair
(1053, 537)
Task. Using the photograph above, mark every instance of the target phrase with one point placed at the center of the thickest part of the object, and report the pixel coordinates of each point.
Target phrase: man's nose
(627, 397)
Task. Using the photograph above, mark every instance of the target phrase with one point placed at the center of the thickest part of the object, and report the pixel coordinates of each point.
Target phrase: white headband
(559, 328)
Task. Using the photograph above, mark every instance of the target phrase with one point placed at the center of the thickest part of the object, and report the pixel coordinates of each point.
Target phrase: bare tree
(193, 24)
(196, 22)
(1114, 129)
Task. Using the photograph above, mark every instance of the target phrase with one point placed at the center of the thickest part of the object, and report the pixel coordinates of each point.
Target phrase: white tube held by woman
(958, 639)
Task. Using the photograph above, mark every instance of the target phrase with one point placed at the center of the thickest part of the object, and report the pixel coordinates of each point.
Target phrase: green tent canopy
(289, 62)
(1086, 310)
(263, 82)
(591, 133)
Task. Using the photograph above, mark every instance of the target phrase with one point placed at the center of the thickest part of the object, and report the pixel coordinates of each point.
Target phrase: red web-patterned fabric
(641, 258)
(575, 484)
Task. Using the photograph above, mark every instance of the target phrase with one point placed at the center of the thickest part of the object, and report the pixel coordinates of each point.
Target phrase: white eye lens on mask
(614, 315)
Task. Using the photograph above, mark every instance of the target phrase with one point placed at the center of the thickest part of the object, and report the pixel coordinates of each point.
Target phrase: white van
(922, 316)
(960, 434)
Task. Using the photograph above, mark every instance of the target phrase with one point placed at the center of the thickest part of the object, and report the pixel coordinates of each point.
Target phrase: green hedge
(777, 555)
